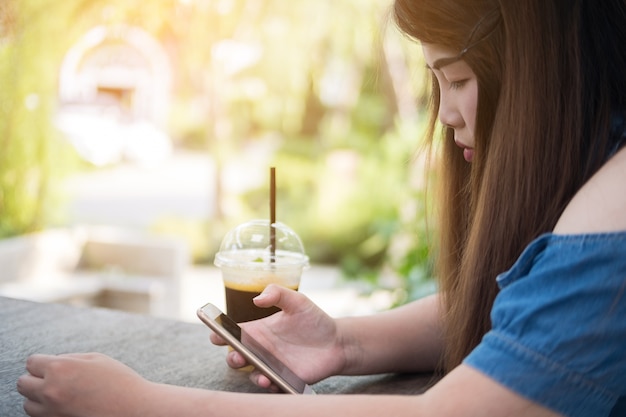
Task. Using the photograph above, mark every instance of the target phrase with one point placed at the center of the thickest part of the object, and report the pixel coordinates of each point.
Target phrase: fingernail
(261, 296)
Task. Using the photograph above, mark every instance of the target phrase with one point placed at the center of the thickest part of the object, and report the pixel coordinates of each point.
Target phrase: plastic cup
(248, 266)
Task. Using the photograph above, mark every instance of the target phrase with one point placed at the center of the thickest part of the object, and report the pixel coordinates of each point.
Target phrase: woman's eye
(455, 85)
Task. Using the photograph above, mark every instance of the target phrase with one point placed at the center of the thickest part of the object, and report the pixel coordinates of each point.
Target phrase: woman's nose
(448, 115)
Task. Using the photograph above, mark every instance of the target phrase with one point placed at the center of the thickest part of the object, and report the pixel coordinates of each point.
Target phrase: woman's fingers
(235, 360)
(262, 381)
(289, 301)
(29, 386)
(36, 364)
(34, 409)
(217, 340)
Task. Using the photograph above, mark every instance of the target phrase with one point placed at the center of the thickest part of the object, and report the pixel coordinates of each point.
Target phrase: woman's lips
(468, 153)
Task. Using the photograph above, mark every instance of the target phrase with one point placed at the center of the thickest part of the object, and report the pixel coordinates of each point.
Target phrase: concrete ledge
(96, 266)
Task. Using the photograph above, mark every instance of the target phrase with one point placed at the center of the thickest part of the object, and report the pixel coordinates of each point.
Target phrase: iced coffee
(249, 263)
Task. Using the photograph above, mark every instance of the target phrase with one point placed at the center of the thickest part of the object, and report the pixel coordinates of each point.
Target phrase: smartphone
(252, 350)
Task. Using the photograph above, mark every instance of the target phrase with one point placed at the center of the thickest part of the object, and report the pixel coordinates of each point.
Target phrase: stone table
(165, 351)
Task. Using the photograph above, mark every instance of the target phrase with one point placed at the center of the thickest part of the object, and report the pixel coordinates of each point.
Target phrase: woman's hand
(301, 335)
(80, 385)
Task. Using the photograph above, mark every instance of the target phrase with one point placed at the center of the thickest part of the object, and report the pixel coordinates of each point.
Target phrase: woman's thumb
(276, 296)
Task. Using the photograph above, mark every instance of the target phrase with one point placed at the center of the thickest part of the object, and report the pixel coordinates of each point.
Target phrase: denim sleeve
(558, 332)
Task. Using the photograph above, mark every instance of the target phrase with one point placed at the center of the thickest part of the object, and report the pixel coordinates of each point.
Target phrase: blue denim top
(558, 332)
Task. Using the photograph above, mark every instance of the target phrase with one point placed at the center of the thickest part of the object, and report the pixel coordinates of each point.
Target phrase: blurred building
(114, 93)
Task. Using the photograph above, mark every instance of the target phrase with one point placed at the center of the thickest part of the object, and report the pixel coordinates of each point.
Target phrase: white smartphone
(253, 351)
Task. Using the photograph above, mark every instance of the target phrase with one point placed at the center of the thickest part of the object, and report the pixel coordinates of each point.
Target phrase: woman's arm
(94, 385)
(405, 339)
(463, 393)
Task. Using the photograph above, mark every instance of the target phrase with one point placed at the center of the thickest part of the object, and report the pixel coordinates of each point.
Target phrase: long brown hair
(542, 126)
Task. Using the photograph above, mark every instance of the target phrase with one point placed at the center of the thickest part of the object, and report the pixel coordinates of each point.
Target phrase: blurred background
(125, 121)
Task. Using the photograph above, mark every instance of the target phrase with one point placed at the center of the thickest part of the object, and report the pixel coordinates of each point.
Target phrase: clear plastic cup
(248, 265)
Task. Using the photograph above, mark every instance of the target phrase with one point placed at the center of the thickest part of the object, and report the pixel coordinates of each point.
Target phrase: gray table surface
(161, 350)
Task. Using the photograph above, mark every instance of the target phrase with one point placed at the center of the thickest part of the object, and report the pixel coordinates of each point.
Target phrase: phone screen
(274, 369)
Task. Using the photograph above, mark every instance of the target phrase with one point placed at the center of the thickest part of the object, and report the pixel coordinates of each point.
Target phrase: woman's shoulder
(600, 205)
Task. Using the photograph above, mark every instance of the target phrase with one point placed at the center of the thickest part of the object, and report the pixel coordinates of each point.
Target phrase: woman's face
(458, 95)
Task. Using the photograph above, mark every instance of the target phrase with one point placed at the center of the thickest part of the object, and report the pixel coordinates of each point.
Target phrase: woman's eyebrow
(442, 62)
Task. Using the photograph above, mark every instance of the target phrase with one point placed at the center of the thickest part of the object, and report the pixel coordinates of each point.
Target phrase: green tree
(30, 156)
(327, 79)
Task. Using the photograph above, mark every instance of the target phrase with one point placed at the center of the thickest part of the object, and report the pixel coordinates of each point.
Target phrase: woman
(531, 97)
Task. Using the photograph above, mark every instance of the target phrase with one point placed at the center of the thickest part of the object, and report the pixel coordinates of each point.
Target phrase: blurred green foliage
(31, 156)
(330, 81)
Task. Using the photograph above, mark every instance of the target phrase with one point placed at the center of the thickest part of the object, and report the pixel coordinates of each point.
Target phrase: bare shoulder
(600, 205)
